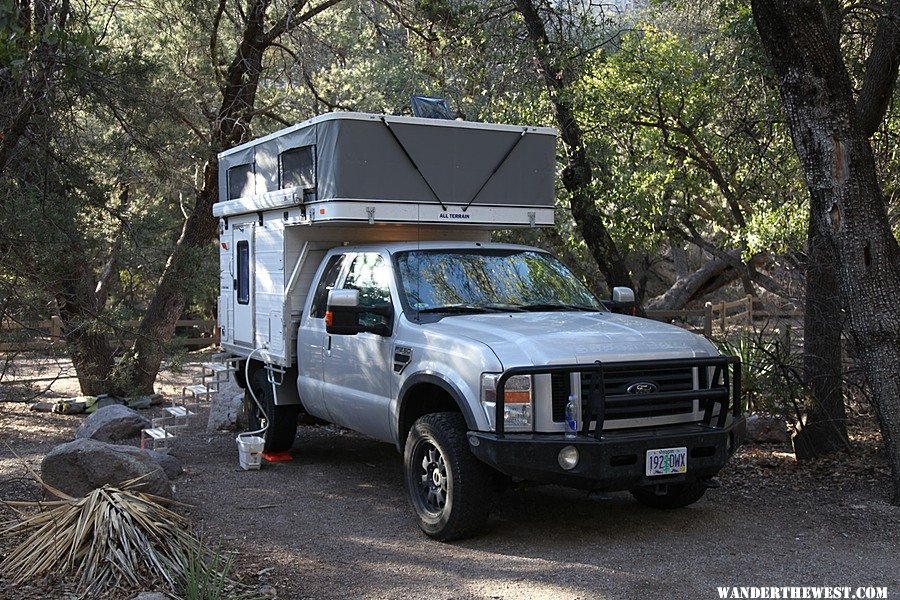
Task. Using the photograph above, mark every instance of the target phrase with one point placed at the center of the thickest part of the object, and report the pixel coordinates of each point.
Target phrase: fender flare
(448, 386)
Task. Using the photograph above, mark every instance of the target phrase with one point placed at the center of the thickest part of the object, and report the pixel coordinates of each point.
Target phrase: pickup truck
(466, 355)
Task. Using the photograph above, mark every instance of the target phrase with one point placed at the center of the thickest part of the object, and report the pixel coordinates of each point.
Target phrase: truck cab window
(369, 274)
(326, 283)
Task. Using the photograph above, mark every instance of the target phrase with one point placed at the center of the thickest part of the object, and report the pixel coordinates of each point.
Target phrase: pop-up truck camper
(360, 286)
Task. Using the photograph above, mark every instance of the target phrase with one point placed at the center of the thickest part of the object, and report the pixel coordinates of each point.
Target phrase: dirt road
(335, 523)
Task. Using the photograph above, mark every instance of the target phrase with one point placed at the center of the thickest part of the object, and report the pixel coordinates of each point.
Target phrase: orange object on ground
(277, 456)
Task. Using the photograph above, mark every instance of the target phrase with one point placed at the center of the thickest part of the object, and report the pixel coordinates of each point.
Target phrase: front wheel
(281, 420)
(677, 495)
(450, 489)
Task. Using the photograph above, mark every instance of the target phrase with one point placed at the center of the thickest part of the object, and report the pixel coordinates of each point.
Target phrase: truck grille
(616, 383)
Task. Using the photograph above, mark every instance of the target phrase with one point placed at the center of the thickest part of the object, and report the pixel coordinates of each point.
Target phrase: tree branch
(881, 71)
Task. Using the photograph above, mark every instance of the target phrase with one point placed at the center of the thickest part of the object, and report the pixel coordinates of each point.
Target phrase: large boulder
(226, 412)
(79, 467)
(766, 429)
(113, 423)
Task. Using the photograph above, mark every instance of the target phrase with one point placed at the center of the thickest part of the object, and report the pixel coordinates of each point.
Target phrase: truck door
(358, 377)
(243, 301)
(311, 341)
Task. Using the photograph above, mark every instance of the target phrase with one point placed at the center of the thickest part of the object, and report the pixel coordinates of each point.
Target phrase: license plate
(666, 461)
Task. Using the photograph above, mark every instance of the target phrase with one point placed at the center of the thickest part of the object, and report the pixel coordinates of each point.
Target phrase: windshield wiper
(549, 306)
(454, 308)
(470, 308)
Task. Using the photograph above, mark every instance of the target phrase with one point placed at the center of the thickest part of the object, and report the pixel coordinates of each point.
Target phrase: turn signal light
(329, 318)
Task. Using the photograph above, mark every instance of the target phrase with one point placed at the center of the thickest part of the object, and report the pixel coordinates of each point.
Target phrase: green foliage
(207, 574)
(687, 137)
(771, 370)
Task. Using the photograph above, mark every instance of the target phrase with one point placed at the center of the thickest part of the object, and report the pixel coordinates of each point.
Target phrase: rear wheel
(281, 420)
(450, 489)
(677, 495)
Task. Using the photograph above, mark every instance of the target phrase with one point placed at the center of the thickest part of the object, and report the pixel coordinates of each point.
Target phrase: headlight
(517, 401)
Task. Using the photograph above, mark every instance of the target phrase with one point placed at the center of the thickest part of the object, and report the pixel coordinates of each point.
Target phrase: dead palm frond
(113, 537)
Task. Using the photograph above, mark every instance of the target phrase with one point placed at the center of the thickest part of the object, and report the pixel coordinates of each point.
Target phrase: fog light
(568, 458)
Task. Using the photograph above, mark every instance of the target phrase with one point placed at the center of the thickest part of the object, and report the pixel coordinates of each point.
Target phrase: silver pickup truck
(487, 363)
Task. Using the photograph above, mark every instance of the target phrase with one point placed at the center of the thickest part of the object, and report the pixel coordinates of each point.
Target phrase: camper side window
(241, 181)
(326, 283)
(297, 168)
(243, 272)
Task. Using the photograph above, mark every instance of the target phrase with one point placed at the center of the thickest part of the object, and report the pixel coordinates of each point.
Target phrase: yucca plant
(112, 538)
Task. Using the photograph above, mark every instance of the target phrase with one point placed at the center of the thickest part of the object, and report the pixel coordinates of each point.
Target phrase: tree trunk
(86, 343)
(846, 203)
(577, 175)
(241, 81)
(141, 366)
(824, 429)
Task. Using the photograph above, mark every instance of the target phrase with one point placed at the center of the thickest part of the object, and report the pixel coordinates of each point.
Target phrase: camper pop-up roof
(352, 167)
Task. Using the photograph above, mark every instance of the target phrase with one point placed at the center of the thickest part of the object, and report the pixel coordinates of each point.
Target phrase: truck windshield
(482, 280)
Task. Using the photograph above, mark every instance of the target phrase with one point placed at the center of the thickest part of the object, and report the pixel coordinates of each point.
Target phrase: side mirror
(344, 315)
(623, 295)
(622, 301)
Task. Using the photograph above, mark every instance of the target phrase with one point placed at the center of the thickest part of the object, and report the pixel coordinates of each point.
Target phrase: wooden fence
(47, 335)
(722, 316)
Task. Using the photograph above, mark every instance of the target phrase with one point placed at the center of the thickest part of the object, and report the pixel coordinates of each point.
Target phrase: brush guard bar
(723, 388)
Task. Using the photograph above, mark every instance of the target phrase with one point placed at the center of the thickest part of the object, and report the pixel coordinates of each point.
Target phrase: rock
(226, 412)
(767, 429)
(79, 467)
(170, 464)
(43, 406)
(151, 596)
(114, 423)
(107, 400)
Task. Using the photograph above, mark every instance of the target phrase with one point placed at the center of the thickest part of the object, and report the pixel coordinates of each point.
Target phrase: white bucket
(250, 449)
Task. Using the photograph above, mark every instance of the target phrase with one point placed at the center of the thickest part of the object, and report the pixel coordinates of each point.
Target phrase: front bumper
(614, 462)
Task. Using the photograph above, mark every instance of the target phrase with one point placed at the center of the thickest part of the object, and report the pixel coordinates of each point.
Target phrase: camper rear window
(240, 181)
(243, 273)
(297, 168)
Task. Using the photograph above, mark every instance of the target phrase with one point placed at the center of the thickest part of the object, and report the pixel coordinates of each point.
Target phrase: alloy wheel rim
(432, 480)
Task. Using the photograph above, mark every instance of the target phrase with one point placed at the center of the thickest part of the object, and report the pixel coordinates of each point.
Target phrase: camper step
(217, 367)
(197, 389)
(178, 411)
(158, 433)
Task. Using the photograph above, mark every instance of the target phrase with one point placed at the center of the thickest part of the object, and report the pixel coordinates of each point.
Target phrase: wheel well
(423, 399)
(239, 378)
(239, 375)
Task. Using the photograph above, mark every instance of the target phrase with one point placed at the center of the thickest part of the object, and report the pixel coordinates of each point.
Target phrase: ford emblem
(642, 387)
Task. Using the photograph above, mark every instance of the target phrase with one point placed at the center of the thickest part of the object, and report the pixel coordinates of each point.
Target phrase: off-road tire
(678, 495)
(282, 420)
(468, 482)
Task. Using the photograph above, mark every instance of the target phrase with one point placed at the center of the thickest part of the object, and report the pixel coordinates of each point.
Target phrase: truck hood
(541, 338)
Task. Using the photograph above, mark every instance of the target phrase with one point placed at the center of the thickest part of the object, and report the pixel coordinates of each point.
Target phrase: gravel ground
(334, 523)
